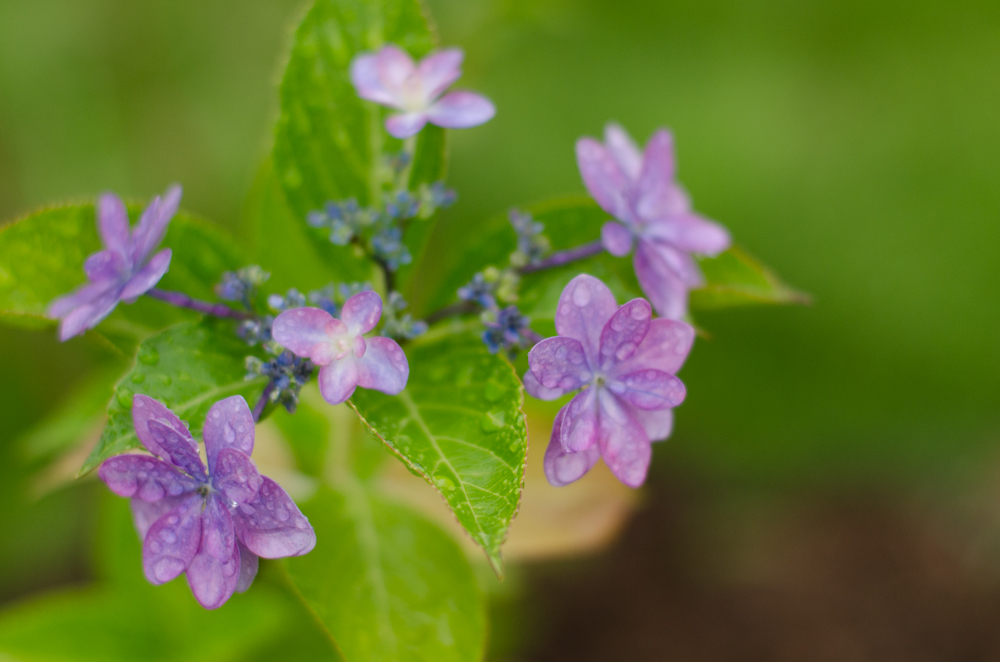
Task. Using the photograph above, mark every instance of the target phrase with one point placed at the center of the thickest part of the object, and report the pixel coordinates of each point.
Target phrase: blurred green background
(852, 146)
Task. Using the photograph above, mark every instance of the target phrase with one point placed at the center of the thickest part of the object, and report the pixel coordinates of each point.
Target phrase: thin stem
(460, 308)
(560, 258)
(265, 397)
(181, 300)
(386, 273)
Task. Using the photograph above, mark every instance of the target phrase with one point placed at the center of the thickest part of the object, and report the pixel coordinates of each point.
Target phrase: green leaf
(459, 425)
(387, 584)
(187, 367)
(42, 256)
(735, 278)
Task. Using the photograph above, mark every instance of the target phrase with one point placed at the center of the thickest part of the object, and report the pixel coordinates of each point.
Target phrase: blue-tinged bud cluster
(400, 326)
(388, 247)
(256, 331)
(287, 372)
(479, 290)
(532, 245)
(241, 285)
(507, 329)
(292, 299)
(325, 298)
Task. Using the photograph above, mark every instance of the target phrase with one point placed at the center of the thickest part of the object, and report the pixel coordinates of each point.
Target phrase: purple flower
(345, 358)
(124, 271)
(211, 524)
(391, 78)
(625, 363)
(640, 191)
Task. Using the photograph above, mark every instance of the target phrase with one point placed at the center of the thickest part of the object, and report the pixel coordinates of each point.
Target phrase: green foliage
(387, 584)
(187, 367)
(459, 425)
(736, 278)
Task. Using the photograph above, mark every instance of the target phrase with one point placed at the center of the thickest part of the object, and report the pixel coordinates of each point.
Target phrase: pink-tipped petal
(439, 70)
(361, 312)
(649, 389)
(536, 390)
(364, 76)
(112, 224)
(89, 315)
(301, 329)
(461, 110)
(394, 66)
(584, 306)
(229, 424)
(383, 367)
(623, 333)
(105, 265)
(173, 541)
(236, 476)
(580, 421)
(214, 572)
(153, 224)
(145, 513)
(658, 423)
(665, 347)
(616, 239)
(623, 150)
(248, 568)
(404, 125)
(559, 363)
(147, 277)
(690, 233)
(562, 468)
(624, 445)
(272, 526)
(656, 181)
(144, 477)
(603, 178)
(146, 409)
(338, 380)
(664, 289)
(181, 449)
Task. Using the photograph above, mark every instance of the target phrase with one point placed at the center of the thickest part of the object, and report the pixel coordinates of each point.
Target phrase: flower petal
(624, 445)
(664, 289)
(153, 224)
(655, 186)
(229, 424)
(562, 468)
(86, 294)
(147, 277)
(112, 224)
(623, 150)
(248, 568)
(361, 312)
(579, 426)
(364, 75)
(272, 525)
(145, 513)
(658, 423)
(404, 125)
(439, 70)
(616, 239)
(181, 448)
(301, 329)
(146, 409)
(649, 389)
(214, 572)
(173, 541)
(338, 379)
(536, 390)
(623, 333)
(603, 178)
(394, 66)
(584, 306)
(236, 476)
(461, 110)
(88, 315)
(665, 348)
(383, 367)
(690, 233)
(559, 363)
(144, 477)
(105, 266)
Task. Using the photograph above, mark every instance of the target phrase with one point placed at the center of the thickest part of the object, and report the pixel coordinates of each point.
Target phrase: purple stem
(182, 300)
(258, 408)
(560, 258)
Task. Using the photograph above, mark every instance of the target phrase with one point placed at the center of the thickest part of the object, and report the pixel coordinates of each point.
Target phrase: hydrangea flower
(346, 359)
(391, 78)
(625, 363)
(125, 269)
(212, 523)
(652, 210)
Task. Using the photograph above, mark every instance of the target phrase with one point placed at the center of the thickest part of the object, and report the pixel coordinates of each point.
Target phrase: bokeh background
(831, 491)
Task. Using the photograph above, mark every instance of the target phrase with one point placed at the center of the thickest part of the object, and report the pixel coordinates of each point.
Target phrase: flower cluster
(242, 285)
(287, 373)
(506, 329)
(397, 324)
(532, 245)
(210, 523)
(126, 268)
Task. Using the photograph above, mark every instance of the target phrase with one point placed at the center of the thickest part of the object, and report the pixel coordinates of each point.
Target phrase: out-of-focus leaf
(736, 278)
(187, 367)
(459, 425)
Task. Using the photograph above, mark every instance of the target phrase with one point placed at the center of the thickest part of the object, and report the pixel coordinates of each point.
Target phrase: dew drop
(124, 397)
(138, 378)
(148, 355)
(445, 484)
(168, 536)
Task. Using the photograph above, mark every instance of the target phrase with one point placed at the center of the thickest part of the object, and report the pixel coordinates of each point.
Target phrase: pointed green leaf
(459, 425)
(736, 278)
(187, 367)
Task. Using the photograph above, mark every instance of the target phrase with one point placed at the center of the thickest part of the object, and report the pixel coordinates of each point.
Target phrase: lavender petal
(338, 380)
(107, 265)
(144, 477)
(664, 289)
(236, 476)
(249, 563)
(181, 449)
(562, 468)
(665, 347)
(147, 277)
(272, 526)
(404, 125)
(214, 572)
(559, 363)
(173, 541)
(439, 70)
(383, 367)
(145, 513)
(649, 389)
(624, 445)
(229, 424)
(580, 422)
(623, 333)
(623, 150)
(361, 312)
(584, 306)
(536, 390)
(461, 110)
(113, 225)
(301, 329)
(603, 178)
(152, 226)
(616, 239)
